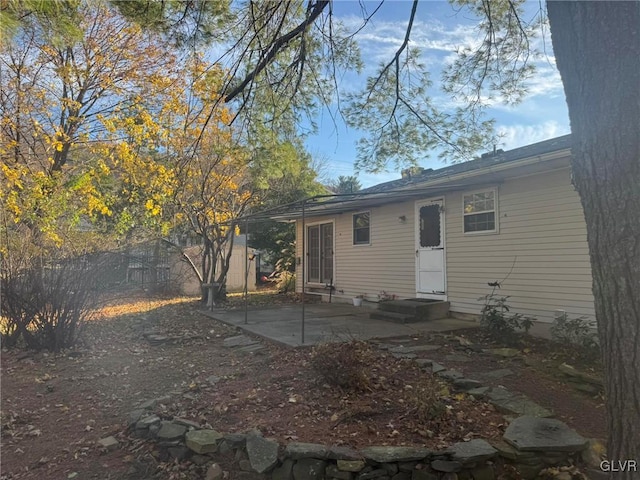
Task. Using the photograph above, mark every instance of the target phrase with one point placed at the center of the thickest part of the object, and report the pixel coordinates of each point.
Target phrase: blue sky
(438, 31)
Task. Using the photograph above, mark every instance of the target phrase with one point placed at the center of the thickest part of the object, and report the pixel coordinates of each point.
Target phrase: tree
(597, 46)
(345, 184)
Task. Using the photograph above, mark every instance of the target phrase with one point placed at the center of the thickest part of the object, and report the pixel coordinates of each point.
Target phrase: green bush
(499, 323)
(579, 332)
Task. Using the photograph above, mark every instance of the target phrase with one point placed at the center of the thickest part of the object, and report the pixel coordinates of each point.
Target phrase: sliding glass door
(320, 253)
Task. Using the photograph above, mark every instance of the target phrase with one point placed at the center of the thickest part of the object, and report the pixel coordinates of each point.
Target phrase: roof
(492, 167)
(487, 160)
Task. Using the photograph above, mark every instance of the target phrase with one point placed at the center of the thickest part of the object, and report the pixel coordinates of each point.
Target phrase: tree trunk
(597, 47)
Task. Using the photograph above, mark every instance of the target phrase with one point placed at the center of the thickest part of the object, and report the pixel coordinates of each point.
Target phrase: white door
(430, 267)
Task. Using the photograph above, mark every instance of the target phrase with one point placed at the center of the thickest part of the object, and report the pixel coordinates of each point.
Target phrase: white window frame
(496, 216)
(353, 230)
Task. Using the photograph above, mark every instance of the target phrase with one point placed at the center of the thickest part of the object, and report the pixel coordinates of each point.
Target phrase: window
(320, 253)
(361, 228)
(480, 212)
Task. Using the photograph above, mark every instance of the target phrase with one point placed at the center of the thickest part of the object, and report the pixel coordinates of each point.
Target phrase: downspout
(246, 271)
(303, 262)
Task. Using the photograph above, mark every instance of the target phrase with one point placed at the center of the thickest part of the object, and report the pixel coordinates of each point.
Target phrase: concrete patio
(325, 322)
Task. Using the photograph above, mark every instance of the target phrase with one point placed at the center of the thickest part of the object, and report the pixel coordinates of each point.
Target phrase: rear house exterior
(511, 217)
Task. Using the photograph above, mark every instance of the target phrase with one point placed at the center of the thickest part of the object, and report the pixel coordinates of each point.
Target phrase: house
(509, 217)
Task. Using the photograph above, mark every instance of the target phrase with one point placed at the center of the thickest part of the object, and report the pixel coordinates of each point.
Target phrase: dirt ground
(55, 407)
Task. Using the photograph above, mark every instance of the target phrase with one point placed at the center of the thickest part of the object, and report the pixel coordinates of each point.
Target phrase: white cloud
(515, 136)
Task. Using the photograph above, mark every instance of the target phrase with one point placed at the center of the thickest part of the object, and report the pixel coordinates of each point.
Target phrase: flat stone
(108, 443)
(407, 356)
(450, 374)
(446, 466)
(332, 471)
(147, 421)
(507, 451)
(479, 392)
(284, 471)
(483, 472)
(402, 476)
(424, 362)
(213, 379)
(415, 349)
(200, 459)
(437, 368)
(497, 374)
(543, 434)
(136, 415)
(235, 440)
(472, 451)
(350, 465)
(170, 431)
(343, 453)
(466, 384)
(375, 473)
(263, 453)
(504, 352)
(186, 423)
(214, 472)
(238, 341)
(254, 348)
(529, 472)
(309, 469)
(519, 405)
(585, 377)
(423, 475)
(298, 450)
(458, 358)
(394, 454)
(203, 441)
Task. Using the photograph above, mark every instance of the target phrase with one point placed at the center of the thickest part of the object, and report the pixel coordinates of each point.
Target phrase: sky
(438, 30)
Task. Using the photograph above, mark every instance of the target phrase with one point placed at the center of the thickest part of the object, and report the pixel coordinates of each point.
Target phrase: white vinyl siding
(542, 241)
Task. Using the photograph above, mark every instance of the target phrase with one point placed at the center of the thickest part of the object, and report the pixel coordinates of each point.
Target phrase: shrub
(497, 320)
(578, 331)
(44, 306)
(344, 365)
(286, 282)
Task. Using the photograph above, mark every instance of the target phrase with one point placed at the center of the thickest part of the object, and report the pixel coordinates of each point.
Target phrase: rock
(406, 466)
(406, 356)
(253, 348)
(473, 451)
(497, 374)
(414, 349)
(508, 402)
(543, 434)
(203, 441)
(350, 465)
(343, 453)
(484, 472)
(376, 473)
(136, 415)
(332, 471)
(436, 367)
(200, 459)
(212, 380)
(450, 374)
(585, 387)
(466, 384)
(147, 421)
(457, 358)
(423, 475)
(446, 466)
(235, 440)
(573, 372)
(298, 450)
(563, 476)
(108, 443)
(391, 468)
(309, 469)
(178, 452)
(529, 472)
(72, 475)
(262, 453)
(479, 392)
(284, 471)
(214, 472)
(238, 341)
(593, 454)
(394, 454)
(186, 423)
(170, 431)
(402, 476)
(507, 451)
(424, 362)
(245, 465)
(504, 352)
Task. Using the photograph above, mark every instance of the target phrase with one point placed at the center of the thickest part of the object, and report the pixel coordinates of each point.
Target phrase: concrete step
(392, 317)
(422, 309)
